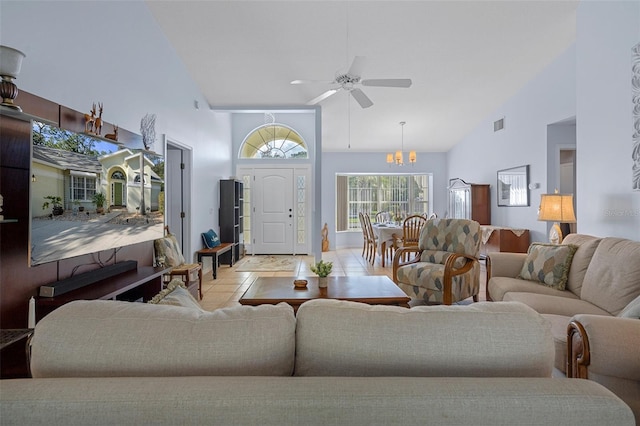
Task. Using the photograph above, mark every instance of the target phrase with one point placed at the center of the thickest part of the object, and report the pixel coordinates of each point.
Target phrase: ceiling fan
(350, 80)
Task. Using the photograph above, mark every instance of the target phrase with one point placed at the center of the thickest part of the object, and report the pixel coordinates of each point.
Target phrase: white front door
(273, 211)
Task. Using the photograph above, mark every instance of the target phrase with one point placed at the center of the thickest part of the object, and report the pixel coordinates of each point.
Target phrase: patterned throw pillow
(548, 264)
(176, 295)
(168, 251)
(210, 239)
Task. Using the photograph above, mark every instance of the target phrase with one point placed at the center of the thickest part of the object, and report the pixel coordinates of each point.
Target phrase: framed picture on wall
(513, 187)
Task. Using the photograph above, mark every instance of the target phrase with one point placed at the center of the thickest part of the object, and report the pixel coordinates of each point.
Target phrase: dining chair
(382, 217)
(365, 237)
(372, 240)
(411, 228)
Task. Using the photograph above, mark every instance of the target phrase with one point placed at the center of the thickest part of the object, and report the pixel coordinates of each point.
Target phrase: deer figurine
(89, 120)
(113, 136)
(98, 123)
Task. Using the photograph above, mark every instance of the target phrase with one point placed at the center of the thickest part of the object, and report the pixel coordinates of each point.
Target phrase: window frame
(84, 188)
(382, 197)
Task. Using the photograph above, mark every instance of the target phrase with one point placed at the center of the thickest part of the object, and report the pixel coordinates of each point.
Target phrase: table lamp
(10, 63)
(557, 208)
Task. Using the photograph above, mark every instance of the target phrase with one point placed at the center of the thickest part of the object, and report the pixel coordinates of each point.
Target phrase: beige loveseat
(336, 362)
(600, 308)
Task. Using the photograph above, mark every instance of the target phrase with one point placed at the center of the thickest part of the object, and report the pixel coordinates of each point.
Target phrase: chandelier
(398, 159)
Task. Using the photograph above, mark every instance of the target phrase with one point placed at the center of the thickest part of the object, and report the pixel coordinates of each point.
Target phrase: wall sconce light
(10, 63)
(33, 178)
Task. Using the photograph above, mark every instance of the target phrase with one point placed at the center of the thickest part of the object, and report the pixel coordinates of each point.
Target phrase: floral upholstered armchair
(444, 267)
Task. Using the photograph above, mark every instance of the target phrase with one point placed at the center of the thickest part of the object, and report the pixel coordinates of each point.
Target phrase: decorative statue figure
(113, 136)
(89, 120)
(325, 238)
(98, 122)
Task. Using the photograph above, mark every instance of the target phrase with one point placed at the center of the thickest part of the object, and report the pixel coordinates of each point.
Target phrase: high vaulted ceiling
(466, 58)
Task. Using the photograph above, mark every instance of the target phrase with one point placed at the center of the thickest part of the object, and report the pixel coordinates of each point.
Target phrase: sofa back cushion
(612, 280)
(581, 259)
(114, 339)
(340, 338)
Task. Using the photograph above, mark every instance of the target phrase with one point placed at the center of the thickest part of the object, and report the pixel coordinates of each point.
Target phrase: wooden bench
(214, 253)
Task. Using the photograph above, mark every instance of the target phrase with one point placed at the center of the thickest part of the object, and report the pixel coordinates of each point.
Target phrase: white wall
(79, 53)
(375, 163)
(547, 99)
(606, 33)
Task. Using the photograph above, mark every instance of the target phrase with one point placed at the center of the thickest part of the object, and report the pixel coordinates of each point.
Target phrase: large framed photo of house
(513, 187)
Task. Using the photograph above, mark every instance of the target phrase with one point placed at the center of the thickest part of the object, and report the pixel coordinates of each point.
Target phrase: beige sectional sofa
(336, 362)
(599, 308)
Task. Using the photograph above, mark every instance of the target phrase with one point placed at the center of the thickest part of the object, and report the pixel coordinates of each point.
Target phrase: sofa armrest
(504, 264)
(603, 345)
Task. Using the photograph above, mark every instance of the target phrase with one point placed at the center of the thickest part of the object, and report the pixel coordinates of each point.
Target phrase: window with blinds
(400, 195)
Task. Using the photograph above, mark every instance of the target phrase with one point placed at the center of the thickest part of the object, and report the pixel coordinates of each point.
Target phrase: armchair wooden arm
(451, 271)
(402, 253)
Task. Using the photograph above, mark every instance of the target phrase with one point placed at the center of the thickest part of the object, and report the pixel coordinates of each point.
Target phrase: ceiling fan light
(412, 157)
(389, 158)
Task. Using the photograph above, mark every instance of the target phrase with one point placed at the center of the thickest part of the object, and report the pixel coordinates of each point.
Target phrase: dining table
(386, 233)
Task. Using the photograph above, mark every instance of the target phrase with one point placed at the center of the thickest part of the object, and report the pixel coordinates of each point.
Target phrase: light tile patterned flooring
(227, 289)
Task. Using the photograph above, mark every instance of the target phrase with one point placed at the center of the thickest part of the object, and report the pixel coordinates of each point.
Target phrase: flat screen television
(89, 194)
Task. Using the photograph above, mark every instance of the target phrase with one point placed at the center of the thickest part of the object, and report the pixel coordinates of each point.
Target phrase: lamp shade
(412, 157)
(557, 208)
(399, 157)
(10, 61)
(389, 158)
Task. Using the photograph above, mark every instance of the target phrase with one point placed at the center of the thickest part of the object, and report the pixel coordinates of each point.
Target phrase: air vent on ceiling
(498, 125)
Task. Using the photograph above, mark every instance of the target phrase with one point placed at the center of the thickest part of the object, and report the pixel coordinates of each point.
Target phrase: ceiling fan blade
(357, 65)
(361, 98)
(322, 97)
(311, 81)
(388, 82)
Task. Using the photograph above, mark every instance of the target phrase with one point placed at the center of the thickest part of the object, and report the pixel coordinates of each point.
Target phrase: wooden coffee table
(374, 290)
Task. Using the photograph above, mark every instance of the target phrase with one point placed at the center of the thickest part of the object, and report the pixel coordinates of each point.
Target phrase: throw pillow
(548, 264)
(168, 251)
(211, 239)
(632, 310)
(176, 295)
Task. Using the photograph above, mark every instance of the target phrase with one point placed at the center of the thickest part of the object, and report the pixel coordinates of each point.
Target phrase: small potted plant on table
(322, 269)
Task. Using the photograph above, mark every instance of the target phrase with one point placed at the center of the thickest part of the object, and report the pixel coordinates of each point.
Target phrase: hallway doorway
(177, 189)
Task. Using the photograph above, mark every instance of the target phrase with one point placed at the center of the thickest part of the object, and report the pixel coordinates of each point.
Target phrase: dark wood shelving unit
(231, 218)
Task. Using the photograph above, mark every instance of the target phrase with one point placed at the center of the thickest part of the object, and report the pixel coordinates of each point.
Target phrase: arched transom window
(118, 175)
(273, 141)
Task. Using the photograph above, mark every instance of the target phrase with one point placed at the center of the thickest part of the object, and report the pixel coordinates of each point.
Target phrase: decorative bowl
(300, 283)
